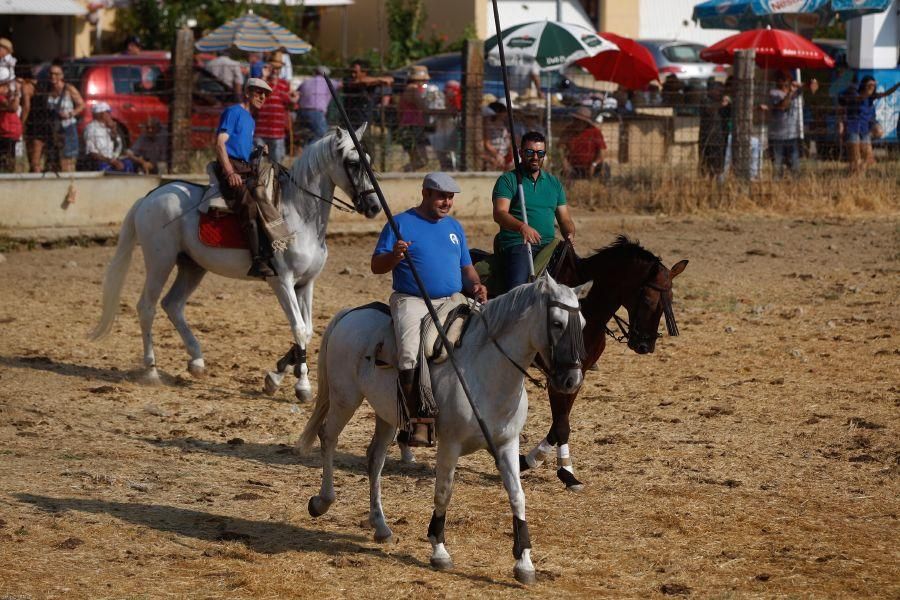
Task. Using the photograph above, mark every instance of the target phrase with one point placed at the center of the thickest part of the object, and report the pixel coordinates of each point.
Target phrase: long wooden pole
(448, 346)
(520, 191)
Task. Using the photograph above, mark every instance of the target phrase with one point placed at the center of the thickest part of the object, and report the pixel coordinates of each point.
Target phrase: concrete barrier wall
(39, 201)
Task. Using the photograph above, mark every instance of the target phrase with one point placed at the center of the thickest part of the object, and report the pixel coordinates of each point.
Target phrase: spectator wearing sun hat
(411, 108)
(273, 122)
(583, 146)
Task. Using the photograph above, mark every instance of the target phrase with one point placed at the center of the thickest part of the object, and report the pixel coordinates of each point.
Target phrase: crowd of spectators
(41, 118)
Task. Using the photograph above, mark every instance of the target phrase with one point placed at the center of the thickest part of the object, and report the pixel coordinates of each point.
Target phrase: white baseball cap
(101, 107)
(255, 82)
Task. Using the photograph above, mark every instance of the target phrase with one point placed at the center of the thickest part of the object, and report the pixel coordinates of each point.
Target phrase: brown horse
(624, 274)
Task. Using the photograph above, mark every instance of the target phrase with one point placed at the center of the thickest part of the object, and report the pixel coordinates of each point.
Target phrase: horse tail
(115, 275)
(323, 403)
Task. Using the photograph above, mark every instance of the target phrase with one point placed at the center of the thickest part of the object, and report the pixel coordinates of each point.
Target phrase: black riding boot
(259, 268)
(421, 429)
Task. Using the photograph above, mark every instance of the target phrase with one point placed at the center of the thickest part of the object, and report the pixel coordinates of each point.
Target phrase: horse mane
(508, 308)
(622, 249)
(316, 157)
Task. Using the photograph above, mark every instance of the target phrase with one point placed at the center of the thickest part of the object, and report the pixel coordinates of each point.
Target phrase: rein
(576, 342)
(338, 203)
(668, 311)
(477, 310)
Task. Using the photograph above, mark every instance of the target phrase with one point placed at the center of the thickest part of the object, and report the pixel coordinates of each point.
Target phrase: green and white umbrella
(252, 33)
(550, 44)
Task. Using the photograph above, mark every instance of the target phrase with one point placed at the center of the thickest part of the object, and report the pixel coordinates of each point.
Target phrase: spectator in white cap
(234, 144)
(436, 244)
(103, 144)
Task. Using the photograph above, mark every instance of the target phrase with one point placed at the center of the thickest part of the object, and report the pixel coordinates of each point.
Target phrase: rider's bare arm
(566, 224)
(505, 220)
(472, 284)
(386, 261)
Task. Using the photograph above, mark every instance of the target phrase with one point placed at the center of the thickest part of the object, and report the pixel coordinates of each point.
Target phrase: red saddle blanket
(221, 230)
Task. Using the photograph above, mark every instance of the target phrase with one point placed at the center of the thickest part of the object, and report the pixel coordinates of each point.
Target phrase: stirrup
(414, 442)
(260, 268)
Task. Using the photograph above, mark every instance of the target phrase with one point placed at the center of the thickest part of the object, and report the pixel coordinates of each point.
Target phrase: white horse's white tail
(320, 411)
(114, 278)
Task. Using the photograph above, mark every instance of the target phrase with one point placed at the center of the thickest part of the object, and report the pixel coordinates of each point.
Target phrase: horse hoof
(441, 564)
(270, 386)
(197, 367)
(385, 539)
(523, 464)
(151, 377)
(407, 457)
(303, 396)
(317, 507)
(572, 483)
(523, 576)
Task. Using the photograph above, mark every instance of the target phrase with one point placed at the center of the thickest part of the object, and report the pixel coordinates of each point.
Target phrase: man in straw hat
(411, 109)
(234, 144)
(583, 145)
(273, 121)
(436, 244)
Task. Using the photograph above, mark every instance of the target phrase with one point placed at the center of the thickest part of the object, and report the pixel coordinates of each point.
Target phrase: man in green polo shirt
(544, 201)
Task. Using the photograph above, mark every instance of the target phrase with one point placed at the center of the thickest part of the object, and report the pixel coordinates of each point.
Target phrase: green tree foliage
(409, 40)
(157, 21)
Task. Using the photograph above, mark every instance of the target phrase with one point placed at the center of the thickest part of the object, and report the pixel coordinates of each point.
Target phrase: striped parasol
(252, 33)
(550, 44)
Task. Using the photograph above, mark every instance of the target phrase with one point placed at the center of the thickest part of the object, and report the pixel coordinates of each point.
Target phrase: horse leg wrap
(436, 528)
(563, 461)
(521, 539)
(539, 454)
(287, 360)
(299, 360)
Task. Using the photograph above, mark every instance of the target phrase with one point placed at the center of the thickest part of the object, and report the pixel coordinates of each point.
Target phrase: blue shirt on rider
(437, 248)
(237, 122)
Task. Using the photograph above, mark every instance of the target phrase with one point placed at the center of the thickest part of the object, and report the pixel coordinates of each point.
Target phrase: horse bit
(626, 328)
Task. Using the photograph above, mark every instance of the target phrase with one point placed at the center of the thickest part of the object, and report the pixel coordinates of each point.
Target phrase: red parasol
(775, 49)
(631, 66)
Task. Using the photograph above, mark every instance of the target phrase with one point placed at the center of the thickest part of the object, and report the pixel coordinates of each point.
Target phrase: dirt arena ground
(756, 455)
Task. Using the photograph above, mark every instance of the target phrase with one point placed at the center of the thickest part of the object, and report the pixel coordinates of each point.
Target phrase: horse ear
(582, 290)
(361, 130)
(677, 268)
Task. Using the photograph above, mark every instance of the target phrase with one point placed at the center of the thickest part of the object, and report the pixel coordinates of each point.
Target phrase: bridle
(628, 332)
(337, 202)
(572, 336)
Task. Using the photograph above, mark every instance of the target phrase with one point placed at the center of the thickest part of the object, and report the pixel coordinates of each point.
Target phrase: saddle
(453, 314)
(262, 184)
(492, 273)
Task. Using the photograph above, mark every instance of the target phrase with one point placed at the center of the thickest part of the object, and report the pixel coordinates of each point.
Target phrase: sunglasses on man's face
(529, 152)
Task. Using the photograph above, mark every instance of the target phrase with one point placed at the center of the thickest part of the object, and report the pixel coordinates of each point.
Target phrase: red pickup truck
(140, 86)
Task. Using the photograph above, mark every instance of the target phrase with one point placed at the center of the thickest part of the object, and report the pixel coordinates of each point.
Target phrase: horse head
(350, 175)
(630, 276)
(561, 345)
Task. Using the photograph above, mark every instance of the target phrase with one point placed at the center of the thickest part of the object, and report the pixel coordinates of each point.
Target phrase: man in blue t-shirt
(436, 244)
(234, 143)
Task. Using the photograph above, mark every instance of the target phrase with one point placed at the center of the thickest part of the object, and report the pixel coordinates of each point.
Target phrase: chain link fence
(601, 141)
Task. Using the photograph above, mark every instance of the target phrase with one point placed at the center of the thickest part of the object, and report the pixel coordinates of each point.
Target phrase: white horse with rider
(499, 343)
(165, 224)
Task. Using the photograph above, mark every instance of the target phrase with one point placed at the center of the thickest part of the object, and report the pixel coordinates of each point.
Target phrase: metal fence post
(180, 113)
(471, 125)
(744, 67)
